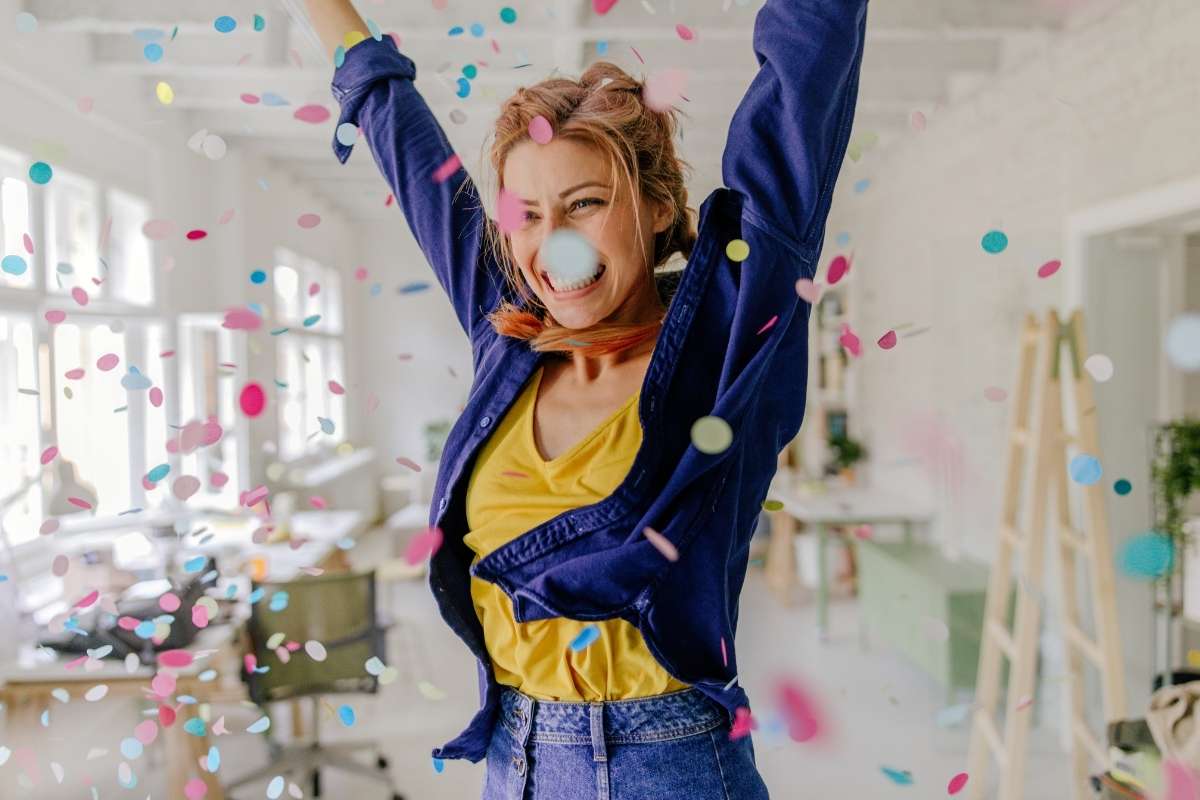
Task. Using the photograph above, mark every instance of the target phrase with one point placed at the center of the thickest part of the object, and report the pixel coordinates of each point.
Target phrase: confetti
(743, 723)
(711, 435)
(589, 634)
(1183, 342)
(1147, 556)
(849, 340)
(252, 399)
(48, 454)
(447, 168)
(312, 113)
(315, 650)
(838, 268)
(603, 6)
(1048, 269)
(661, 543)
(995, 394)
(40, 172)
(1099, 366)
(13, 265)
(423, 545)
(508, 15)
(737, 250)
(96, 693)
(664, 88)
(957, 783)
(1085, 469)
(185, 486)
(685, 33)
(808, 290)
(107, 362)
(195, 789)
(887, 341)
(1122, 487)
(308, 220)
(540, 130)
(346, 715)
(994, 242)
(800, 711)
(275, 787)
(430, 691)
(900, 777)
(336, 387)
(164, 93)
(259, 725)
(438, 765)
(408, 462)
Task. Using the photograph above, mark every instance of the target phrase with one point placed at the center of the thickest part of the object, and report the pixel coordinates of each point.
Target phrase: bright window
(14, 223)
(129, 252)
(73, 234)
(208, 382)
(20, 511)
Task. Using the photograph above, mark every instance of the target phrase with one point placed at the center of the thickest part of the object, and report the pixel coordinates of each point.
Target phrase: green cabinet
(908, 591)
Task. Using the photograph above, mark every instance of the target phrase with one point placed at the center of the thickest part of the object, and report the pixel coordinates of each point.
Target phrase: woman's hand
(333, 19)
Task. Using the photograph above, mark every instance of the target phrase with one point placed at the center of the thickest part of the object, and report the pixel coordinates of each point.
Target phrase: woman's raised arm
(789, 135)
(374, 86)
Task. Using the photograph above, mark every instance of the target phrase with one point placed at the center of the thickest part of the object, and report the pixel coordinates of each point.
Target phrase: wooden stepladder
(1042, 360)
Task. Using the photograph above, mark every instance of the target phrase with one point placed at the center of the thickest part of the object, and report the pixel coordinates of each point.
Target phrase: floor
(882, 713)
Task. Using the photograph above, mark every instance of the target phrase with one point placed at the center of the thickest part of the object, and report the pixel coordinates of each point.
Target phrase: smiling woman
(609, 174)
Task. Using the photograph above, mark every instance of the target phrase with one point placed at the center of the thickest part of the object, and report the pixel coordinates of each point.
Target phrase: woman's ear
(663, 216)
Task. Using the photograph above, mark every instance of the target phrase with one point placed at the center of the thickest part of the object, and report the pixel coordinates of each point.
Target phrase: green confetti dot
(470, 71)
(737, 250)
(994, 242)
(40, 172)
(1122, 487)
(508, 15)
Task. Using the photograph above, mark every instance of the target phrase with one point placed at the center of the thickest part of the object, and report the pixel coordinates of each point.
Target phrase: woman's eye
(587, 200)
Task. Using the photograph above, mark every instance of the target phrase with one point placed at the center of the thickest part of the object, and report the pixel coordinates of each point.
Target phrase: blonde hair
(605, 110)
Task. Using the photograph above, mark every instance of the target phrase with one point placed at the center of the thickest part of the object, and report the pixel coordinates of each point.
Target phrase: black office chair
(339, 612)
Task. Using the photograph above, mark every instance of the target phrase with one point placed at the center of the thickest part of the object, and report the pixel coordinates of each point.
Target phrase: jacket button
(519, 763)
(442, 504)
(485, 421)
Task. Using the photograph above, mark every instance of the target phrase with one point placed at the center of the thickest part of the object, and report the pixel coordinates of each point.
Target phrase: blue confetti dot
(900, 777)
(861, 186)
(476, 30)
(438, 765)
(159, 472)
(376, 288)
(13, 265)
(339, 56)
(271, 99)
(194, 564)
(601, 48)
(225, 24)
(508, 15)
(256, 308)
(1122, 487)
(131, 748)
(40, 172)
(457, 30)
(259, 22)
(1147, 556)
(470, 71)
(144, 629)
(327, 426)
(345, 543)
(1085, 469)
(346, 715)
(279, 601)
(589, 634)
(464, 87)
(214, 759)
(309, 321)
(258, 276)
(842, 239)
(412, 288)
(153, 52)
(994, 242)
(374, 30)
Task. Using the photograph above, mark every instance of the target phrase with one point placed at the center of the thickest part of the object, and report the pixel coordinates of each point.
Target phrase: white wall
(1107, 109)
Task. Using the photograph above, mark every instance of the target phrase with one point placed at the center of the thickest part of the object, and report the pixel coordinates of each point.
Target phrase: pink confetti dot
(28, 242)
(408, 462)
(664, 89)
(447, 168)
(957, 783)
(60, 565)
(917, 121)
(107, 361)
(336, 387)
(166, 717)
(156, 396)
(995, 394)
(837, 269)
(195, 234)
(360, 274)
(252, 399)
(769, 324)
(48, 526)
(185, 486)
(200, 616)
(603, 6)
(74, 374)
(79, 502)
(158, 229)
(510, 211)
(888, 340)
(685, 32)
(423, 545)
(79, 295)
(169, 602)
(1049, 268)
(808, 290)
(146, 731)
(313, 289)
(88, 599)
(317, 502)
(312, 113)
(661, 543)
(226, 216)
(241, 319)
(55, 316)
(308, 220)
(250, 99)
(128, 623)
(176, 659)
(218, 479)
(540, 130)
(48, 454)
(195, 789)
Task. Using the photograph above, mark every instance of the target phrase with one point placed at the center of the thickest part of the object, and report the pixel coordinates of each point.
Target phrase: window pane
(129, 254)
(92, 425)
(19, 429)
(73, 232)
(287, 294)
(14, 220)
(207, 394)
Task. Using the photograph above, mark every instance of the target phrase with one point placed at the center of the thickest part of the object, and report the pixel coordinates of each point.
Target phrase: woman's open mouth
(572, 289)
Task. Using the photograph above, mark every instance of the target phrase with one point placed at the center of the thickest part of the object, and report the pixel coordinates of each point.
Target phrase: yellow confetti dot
(352, 38)
(772, 505)
(711, 435)
(1193, 658)
(166, 95)
(737, 250)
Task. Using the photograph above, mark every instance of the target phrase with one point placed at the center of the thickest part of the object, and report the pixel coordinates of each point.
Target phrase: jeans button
(519, 765)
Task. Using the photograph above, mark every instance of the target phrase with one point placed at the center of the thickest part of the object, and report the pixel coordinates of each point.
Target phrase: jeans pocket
(735, 760)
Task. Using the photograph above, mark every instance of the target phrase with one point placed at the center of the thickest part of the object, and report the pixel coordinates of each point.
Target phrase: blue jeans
(652, 748)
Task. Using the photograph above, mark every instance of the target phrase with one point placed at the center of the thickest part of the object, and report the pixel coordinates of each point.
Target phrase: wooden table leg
(781, 557)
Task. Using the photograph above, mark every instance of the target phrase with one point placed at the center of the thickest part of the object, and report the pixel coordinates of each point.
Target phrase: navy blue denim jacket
(786, 144)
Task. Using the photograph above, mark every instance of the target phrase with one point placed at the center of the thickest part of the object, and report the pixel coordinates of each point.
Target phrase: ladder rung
(1085, 737)
(1003, 639)
(1085, 644)
(1073, 538)
(987, 726)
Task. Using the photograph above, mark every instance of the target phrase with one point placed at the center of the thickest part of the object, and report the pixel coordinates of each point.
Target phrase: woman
(599, 491)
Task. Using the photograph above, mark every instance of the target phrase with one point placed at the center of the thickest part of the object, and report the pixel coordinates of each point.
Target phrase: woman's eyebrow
(575, 188)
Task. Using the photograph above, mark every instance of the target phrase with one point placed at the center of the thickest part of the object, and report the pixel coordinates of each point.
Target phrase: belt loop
(597, 719)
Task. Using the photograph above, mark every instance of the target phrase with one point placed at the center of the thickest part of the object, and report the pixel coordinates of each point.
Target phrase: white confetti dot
(1099, 366)
(569, 257)
(1183, 342)
(95, 693)
(315, 650)
(711, 435)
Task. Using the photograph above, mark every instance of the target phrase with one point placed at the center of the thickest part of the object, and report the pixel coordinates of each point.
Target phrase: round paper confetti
(164, 93)
(917, 121)
(107, 362)
(661, 543)
(312, 113)
(252, 399)
(1099, 366)
(185, 486)
(346, 715)
(737, 250)
(808, 290)
(1147, 556)
(508, 15)
(96, 693)
(423, 545)
(26, 22)
(158, 229)
(225, 24)
(568, 256)
(1122, 487)
(540, 130)
(838, 268)
(40, 172)
(685, 33)
(888, 340)
(13, 265)
(1045, 271)
(995, 394)
(60, 565)
(711, 435)
(664, 89)
(589, 634)
(994, 242)
(214, 147)
(1183, 342)
(275, 787)
(315, 650)
(55, 316)
(957, 783)
(308, 220)
(48, 454)
(1085, 469)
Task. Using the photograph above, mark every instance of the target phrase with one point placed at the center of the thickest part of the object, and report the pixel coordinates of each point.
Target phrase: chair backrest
(338, 611)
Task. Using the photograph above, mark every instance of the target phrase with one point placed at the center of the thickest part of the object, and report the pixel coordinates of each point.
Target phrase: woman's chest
(565, 413)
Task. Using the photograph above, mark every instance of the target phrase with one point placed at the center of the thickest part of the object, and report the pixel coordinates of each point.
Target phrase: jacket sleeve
(374, 86)
(789, 134)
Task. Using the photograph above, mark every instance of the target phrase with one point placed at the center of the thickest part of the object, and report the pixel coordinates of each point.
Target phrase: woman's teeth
(572, 286)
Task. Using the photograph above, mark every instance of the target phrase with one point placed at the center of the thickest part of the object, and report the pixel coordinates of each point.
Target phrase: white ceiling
(920, 53)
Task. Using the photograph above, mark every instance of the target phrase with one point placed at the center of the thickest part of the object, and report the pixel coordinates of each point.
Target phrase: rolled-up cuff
(365, 63)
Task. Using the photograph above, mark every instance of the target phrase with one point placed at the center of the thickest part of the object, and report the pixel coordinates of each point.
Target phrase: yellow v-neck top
(513, 489)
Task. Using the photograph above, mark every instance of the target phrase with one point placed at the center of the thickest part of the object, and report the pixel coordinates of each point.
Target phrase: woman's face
(566, 184)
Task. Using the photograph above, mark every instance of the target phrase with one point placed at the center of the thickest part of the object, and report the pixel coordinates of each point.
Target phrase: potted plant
(846, 453)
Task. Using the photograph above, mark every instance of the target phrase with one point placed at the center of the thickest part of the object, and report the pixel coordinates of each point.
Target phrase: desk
(26, 683)
(834, 506)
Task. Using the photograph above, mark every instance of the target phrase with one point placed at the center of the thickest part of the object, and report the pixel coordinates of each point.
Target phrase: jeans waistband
(644, 719)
